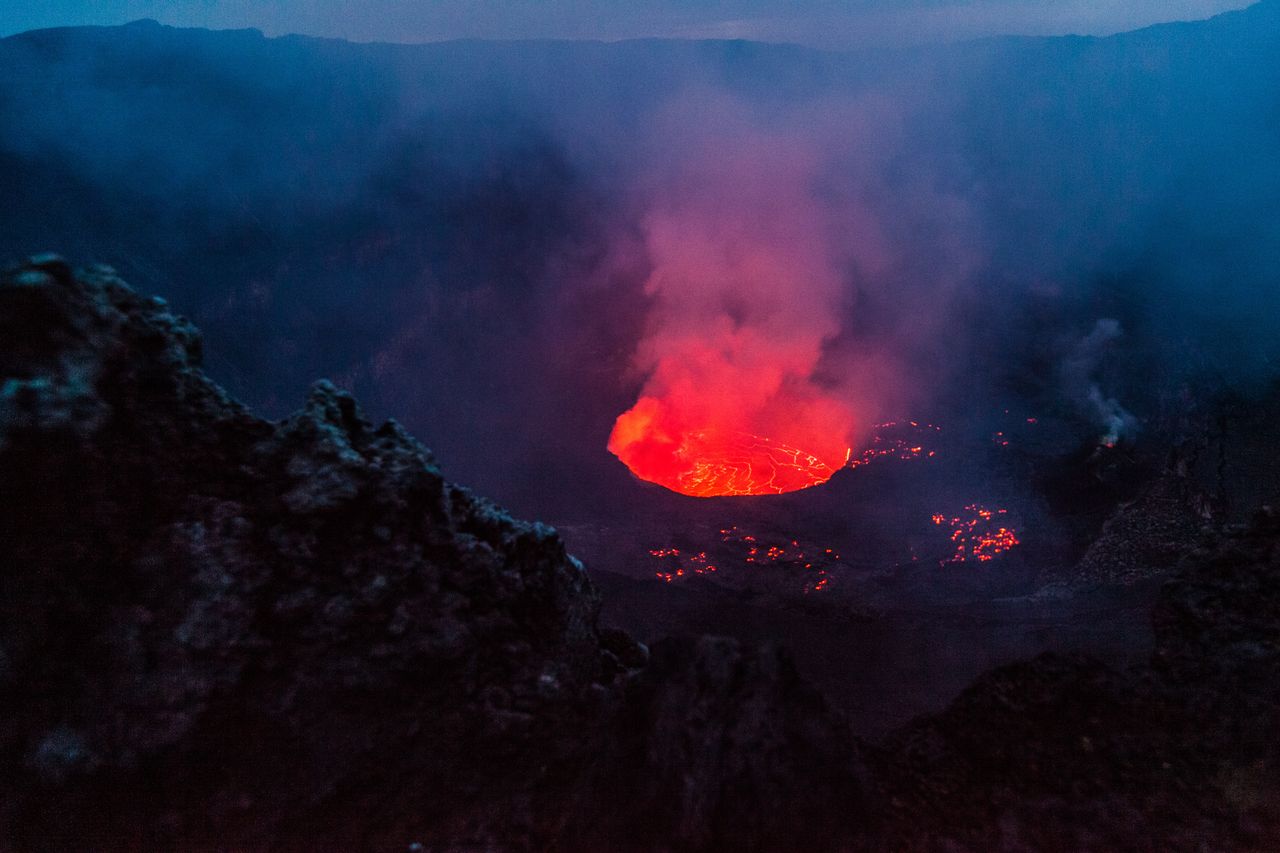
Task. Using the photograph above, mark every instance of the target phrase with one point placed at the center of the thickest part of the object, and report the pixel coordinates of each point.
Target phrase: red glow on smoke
(749, 256)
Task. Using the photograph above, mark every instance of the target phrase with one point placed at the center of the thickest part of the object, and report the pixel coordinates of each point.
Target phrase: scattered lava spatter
(743, 549)
(897, 440)
(978, 536)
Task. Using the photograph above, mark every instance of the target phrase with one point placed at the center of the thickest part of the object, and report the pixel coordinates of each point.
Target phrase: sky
(829, 24)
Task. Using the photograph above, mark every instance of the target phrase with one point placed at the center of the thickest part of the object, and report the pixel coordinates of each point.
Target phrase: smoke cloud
(714, 238)
(747, 287)
(1079, 373)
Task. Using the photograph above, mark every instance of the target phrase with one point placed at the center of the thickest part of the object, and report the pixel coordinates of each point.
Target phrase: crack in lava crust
(744, 464)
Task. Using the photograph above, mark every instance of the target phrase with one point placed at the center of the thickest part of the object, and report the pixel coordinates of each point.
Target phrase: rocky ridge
(221, 632)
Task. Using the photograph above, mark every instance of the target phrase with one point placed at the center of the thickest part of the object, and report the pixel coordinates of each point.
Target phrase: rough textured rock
(1145, 537)
(1064, 753)
(215, 629)
(218, 632)
(201, 607)
(718, 747)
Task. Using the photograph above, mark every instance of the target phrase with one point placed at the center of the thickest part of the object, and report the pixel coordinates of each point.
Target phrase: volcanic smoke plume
(746, 286)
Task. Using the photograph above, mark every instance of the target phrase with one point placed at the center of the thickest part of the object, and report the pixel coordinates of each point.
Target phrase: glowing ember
(979, 535)
(896, 440)
(739, 548)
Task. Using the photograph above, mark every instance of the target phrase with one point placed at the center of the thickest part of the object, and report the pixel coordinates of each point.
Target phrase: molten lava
(716, 462)
(979, 535)
(739, 549)
(712, 462)
(708, 464)
(896, 441)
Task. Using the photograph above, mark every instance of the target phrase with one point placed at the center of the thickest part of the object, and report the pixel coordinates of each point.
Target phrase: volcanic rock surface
(1065, 753)
(218, 632)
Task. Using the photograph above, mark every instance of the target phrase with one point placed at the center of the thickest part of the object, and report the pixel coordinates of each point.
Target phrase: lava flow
(713, 462)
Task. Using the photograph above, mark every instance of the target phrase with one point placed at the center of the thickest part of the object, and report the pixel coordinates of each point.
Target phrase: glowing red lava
(742, 549)
(714, 461)
(897, 441)
(979, 536)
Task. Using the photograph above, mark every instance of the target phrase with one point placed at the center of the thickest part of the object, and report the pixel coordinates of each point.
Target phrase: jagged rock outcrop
(1066, 753)
(213, 624)
(1144, 537)
(720, 748)
(219, 631)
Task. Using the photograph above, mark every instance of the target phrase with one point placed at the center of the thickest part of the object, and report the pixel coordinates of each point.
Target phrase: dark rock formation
(222, 633)
(1145, 537)
(1063, 753)
(216, 630)
(272, 622)
(716, 748)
